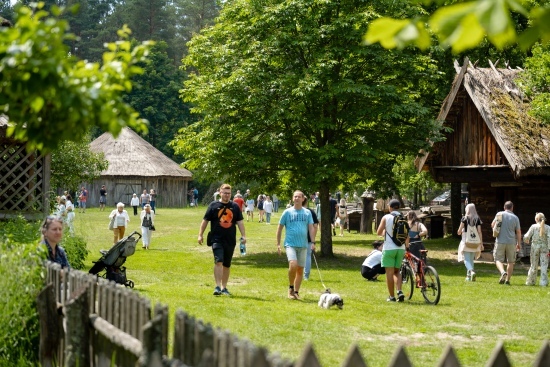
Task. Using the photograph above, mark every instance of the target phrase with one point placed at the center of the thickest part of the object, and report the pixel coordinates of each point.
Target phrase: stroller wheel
(130, 284)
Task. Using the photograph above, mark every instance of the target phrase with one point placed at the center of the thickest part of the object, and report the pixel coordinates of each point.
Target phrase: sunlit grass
(472, 317)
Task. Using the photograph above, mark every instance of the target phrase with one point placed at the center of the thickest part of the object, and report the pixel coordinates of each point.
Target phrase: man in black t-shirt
(222, 215)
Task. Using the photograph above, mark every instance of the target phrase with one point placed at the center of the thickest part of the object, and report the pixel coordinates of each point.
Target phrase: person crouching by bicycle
(392, 254)
(372, 266)
(416, 232)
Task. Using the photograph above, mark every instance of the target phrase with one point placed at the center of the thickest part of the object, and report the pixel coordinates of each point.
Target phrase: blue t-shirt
(296, 224)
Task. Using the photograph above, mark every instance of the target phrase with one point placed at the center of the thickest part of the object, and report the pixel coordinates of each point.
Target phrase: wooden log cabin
(495, 146)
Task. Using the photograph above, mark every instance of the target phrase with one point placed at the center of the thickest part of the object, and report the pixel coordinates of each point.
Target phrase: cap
(394, 203)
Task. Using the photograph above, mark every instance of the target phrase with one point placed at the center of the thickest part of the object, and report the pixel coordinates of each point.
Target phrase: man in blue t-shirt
(298, 222)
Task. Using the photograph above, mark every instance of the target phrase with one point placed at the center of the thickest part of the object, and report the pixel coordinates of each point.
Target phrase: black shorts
(223, 253)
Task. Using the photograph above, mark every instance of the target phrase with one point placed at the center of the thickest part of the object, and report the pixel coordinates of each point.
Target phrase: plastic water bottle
(243, 247)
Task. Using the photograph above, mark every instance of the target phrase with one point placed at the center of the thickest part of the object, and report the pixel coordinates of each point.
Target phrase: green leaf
(384, 30)
(37, 104)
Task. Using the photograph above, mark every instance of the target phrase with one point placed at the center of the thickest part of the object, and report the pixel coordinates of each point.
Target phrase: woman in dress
(147, 221)
(121, 220)
(52, 234)
(466, 253)
(70, 213)
(539, 237)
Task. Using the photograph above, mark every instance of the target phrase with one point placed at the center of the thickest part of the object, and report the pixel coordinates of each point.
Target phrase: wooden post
(50, 331)
(152, 343)
(77, 339)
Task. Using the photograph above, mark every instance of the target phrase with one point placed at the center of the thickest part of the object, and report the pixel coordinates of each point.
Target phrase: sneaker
(306, 278)
(391, 299)
(400, 296)
(291, 293)
(473, 276)
(217, 291)
(502, 278)
(296, 296)
(225, 292)
(373, 280)
(507, 282)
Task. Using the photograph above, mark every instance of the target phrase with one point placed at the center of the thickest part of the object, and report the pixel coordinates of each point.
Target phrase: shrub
(75, 247)
(19, 321)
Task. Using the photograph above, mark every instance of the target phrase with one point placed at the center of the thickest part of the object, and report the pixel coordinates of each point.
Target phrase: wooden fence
(88, 321)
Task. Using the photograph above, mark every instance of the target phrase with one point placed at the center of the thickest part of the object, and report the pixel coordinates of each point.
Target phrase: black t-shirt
(222, 218)
(465, 221)
(315, 221)
(102, 192)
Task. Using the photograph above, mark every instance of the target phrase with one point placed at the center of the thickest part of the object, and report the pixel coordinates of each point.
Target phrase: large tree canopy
(287, 89)
(49, 95)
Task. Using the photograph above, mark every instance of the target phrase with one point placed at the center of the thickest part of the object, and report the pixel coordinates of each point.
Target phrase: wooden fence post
(151, 355)
(77, 338)
(308, 358)
(499, 358)
(400, 358)
(449, 358)
(354, 358)
(162, 311)
(50, 326)
(543, 357)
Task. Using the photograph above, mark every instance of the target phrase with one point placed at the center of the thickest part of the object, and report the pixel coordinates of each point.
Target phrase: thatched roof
(524, 140)
(130, 155)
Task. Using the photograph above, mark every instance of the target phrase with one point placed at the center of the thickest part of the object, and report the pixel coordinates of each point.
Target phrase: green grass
(472, 317)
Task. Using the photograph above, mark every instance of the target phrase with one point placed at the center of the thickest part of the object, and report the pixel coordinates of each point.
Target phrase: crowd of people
(301, 224)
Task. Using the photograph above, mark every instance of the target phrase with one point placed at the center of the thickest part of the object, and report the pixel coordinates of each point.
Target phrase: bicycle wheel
(407, 276)
(431, 289)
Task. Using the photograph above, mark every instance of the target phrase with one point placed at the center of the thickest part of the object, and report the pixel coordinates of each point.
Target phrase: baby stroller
(111, 261)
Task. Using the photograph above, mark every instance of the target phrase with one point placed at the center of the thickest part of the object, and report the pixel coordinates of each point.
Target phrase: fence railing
(88, 321)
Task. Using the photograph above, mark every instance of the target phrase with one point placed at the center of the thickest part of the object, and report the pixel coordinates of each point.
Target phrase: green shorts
(392, 258)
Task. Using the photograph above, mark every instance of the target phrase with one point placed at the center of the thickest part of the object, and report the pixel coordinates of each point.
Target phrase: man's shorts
(392, 258)
(298, 254)
(504, 253)
(223, 253)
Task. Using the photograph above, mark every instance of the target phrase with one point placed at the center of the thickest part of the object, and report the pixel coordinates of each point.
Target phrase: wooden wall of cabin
(171, 192)
(471, 143)
(528, 199)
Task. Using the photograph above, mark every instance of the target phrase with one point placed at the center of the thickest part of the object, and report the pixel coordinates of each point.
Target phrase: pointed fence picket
(105, 324)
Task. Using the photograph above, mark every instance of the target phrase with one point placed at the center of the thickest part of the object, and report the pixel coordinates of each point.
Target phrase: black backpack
(400, 230)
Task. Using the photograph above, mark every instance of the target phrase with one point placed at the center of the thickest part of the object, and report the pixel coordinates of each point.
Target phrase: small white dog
(328, 299)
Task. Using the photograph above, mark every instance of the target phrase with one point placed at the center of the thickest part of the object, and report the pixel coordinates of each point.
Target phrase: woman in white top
(134, 203)
(469, 254)
(147, 221)
(121, 221)
(539, 237)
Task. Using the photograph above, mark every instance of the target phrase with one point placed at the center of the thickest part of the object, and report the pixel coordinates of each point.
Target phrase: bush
(75, 247)
(19, 321)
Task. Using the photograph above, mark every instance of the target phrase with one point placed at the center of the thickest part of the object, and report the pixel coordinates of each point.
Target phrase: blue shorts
(392, 258)
(298, 254)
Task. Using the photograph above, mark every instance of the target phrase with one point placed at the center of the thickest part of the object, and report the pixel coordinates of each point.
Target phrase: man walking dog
(298, 222)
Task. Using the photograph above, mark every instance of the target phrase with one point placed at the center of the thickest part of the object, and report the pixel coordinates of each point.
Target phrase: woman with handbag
(119, 220)
(471, 244)
(147, 225)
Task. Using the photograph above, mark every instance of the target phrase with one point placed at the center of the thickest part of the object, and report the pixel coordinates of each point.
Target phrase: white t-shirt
(373, 259)
(388, 242)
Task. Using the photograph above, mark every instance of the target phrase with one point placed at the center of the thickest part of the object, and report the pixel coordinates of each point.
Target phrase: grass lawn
(472, 317)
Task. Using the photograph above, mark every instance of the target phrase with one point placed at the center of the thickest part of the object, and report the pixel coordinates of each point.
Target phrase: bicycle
(416, 274)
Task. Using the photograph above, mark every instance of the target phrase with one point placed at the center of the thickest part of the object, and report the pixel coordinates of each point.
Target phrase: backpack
(342, 212)
(498, 224)
(400, 230)
(472, 236)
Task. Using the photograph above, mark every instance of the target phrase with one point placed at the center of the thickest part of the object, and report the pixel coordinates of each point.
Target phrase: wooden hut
(135, 165)
(495, 146)
(24, 178)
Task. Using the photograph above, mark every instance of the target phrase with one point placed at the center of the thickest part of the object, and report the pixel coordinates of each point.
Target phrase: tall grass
(472, 316)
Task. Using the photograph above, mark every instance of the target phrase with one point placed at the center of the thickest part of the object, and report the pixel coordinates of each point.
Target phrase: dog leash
(317, 265)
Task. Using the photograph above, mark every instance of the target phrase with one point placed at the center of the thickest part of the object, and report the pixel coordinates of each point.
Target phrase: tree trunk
(326, 221)
(455, 207)
(367, 215)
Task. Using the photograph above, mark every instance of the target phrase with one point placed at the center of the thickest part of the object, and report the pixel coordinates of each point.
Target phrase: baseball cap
(394, 203)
